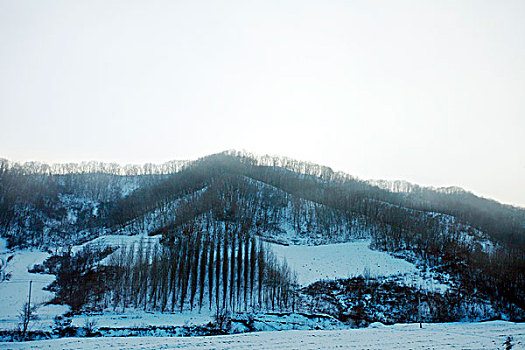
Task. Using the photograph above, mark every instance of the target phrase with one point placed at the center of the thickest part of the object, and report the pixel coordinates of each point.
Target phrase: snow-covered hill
(367, 245)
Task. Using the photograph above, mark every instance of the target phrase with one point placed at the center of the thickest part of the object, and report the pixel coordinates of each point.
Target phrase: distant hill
(275, 198)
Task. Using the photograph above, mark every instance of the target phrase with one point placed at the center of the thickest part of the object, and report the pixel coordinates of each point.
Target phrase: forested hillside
(214, 214)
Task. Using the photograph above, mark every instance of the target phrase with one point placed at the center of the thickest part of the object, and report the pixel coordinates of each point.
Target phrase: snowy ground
(342, 260)
(117, 241)
(14, 292)
(139, 318)
(488, 335)
(311, 263)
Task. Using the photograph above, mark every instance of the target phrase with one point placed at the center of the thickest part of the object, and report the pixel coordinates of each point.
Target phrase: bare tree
(202, 270)
(210, 267)
(27, 314)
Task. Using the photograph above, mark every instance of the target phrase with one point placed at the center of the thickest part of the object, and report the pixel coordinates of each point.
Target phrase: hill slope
(479, 243)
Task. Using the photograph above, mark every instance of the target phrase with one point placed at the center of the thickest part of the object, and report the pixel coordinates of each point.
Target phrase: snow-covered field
(117, 241)
(488, 335)
(341, 260)
(14, 292)
(311, 263)
(139, 318)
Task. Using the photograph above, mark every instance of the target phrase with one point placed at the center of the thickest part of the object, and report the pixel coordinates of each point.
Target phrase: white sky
(432, 92)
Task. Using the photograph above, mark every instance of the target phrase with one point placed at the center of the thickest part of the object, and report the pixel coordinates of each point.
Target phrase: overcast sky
(432, 92)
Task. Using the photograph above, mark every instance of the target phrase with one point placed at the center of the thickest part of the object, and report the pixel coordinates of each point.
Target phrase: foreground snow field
(488, 335)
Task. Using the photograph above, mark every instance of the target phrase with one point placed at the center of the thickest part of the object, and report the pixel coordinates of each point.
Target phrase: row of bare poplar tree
(224, 270)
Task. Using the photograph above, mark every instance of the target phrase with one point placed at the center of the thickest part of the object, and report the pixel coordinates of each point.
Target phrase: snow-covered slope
(343, 260)
(311, 263)
(116, 241)
(14, 290)
(488, 335)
